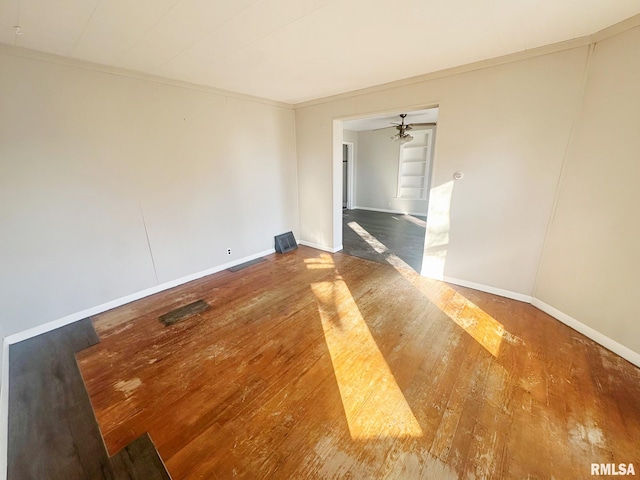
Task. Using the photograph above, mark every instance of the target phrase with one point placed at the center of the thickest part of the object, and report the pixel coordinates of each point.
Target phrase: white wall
(350, 136)
(506, 127)
(92, 162)
(589, 269)
(377, 173)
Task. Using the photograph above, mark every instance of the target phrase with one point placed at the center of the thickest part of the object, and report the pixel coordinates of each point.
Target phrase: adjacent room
(387, 164)
(318, 239)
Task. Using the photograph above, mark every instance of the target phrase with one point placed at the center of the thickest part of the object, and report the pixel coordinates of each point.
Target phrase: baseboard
(486, 288)
(587, 331)
(4, 410)
(320, 247)
(385, 210)
(74, 317)
(599, 338)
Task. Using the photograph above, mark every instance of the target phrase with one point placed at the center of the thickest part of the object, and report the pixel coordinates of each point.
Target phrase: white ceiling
(298, 50)
(419, 116)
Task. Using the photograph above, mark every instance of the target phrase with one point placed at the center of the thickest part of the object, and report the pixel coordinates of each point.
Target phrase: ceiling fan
(402, 136)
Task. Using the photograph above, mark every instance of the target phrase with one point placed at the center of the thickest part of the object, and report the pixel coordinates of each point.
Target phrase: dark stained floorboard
(139, 461)
(53, 433)
(402, 235)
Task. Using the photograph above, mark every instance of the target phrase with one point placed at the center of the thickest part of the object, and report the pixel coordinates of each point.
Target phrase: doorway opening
(386, 175)
(347, 174)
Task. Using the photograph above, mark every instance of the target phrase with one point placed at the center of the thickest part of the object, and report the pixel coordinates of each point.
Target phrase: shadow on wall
(437, 234)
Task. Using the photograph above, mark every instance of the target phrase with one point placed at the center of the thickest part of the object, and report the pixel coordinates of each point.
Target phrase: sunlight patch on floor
(378, 246)
(374, 405)
(415, 220)
(324, 261)
(485, 329)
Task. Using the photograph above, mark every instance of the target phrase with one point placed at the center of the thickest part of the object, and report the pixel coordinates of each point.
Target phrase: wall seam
(567, 152)
(146, 233)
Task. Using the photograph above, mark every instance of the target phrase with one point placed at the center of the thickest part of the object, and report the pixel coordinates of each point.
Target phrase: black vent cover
(183, 313)
(285, 242)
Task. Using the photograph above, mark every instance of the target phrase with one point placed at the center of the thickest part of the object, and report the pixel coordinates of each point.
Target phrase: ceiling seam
(85, 26)
(203, 35)
(15, 33)
(135, 44)
(268, 35)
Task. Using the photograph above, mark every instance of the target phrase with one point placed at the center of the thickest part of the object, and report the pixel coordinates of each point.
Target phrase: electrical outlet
(228, 251)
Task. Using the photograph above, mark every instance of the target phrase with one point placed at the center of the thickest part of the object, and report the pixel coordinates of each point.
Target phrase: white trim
(74, 317)
(428, 148)
(616, 29)
(317, 246)
(397, 212)
(600, 338)
(450, 72)
(123, 72)
(486, 288)
(4, 411)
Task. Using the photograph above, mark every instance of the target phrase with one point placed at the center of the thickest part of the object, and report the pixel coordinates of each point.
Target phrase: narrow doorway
(345, 174)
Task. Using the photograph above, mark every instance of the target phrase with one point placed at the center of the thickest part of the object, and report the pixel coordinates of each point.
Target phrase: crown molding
(586, 40)
(449, 72)
(616, 29)
(122, 72)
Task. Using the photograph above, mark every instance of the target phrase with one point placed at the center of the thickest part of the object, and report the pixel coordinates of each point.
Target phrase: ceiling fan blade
(383, 128)
(428, 124)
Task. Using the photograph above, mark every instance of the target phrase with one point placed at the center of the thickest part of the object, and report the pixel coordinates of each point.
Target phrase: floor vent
(247, 264)
(183, 313)
(285, 243)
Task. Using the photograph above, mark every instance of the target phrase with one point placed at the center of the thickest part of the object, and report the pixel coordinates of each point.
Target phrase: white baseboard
(486, 288)
(74, 317)
(385, 210)
(317, 246)
(4, 410)
(599, 338)
(587, 331)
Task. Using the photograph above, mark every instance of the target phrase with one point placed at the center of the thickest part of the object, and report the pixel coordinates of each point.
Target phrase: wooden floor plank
(282, 378)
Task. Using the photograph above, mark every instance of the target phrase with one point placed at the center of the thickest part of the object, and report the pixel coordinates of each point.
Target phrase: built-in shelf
(413, 166)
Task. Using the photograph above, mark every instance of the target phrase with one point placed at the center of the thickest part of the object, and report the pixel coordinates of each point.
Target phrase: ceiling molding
(616, 29)
(621, 27)
(121, 72)
(449, 72)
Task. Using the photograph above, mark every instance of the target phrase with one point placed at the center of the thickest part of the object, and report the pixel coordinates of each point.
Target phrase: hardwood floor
(311, 365)
(398, 235)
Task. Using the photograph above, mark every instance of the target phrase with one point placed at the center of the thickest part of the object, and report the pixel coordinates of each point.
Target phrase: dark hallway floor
(379, 236)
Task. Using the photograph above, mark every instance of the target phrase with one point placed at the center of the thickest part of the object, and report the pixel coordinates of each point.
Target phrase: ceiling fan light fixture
(402, 138)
